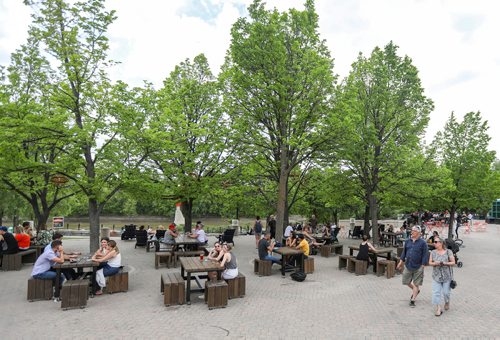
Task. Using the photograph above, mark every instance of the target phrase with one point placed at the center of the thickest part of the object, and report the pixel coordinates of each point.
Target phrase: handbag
(453, 283)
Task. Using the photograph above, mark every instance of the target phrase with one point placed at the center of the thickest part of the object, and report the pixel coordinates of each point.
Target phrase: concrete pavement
(329, 304)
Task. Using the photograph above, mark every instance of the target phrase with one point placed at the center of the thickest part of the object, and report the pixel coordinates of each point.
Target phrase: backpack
(258, 227)
(298, 276)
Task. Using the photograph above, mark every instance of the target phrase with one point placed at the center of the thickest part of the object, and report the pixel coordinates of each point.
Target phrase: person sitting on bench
(42, 269)
(23, 239)
(265, 247)
(69, 273)
(364, 248)
(113, 260)
(8, 243)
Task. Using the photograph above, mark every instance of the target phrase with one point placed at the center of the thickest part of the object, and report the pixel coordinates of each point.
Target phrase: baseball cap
(4, 229)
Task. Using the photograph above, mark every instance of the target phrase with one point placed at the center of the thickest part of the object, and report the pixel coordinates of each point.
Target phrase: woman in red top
(23, 239)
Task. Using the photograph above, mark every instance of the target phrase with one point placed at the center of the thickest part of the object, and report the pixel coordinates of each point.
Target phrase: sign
(58, 222)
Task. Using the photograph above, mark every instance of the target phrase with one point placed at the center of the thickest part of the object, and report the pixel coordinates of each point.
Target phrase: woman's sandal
(438, 313)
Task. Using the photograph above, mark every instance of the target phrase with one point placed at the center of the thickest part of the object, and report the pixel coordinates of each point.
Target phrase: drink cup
(201, 257)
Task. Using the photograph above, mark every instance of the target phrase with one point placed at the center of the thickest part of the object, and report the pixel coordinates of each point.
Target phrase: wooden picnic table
(286, 252)
(80, 263)
(379, 252)
(392, 236)
(187, 241)
(192, 265)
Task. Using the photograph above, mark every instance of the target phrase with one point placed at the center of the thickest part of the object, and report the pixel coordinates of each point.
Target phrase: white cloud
(451, 42)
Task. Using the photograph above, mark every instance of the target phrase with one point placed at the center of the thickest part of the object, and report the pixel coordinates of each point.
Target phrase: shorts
(258, 235)
(415, 276)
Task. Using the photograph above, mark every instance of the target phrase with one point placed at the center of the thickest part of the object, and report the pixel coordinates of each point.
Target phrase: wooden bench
(236, 286)
(15, 261)
(40, 289)
(358, 267)
(117, 283)
(343, 260)
(216, 294)
(386, 266)
(325, 250)
(163, 257)
(309, 265)
(337, 249)
(173, 288)
(74, 294)
(188, 253)
(262, 267)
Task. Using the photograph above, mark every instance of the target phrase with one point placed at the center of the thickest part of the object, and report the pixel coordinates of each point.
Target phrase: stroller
(455, 248)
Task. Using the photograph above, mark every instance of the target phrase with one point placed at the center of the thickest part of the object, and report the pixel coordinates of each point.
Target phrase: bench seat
(173, 287)
(15, 261)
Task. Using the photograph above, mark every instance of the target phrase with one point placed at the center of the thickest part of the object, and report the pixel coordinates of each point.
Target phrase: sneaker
(412, 303)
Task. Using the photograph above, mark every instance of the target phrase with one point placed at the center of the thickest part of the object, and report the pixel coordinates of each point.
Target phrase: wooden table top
(287, 251)
(390, 233)
(186, 240)
(194, 264)
(377, 250)
(81, 262)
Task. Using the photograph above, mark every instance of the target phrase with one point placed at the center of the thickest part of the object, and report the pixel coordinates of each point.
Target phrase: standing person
(441, 260)
(414, 257)
(257, 230)
(458, 222)
(272, 226)
(287, 233)
(313, 222)
(265, 249)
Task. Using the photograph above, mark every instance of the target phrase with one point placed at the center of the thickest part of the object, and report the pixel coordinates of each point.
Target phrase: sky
(451, 42)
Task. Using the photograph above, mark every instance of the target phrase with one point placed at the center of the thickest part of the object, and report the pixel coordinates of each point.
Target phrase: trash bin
(104, 232)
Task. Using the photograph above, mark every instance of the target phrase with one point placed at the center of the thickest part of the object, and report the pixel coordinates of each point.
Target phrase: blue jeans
(49, 275)
(107, 270)
(272, 258)
(440, 289)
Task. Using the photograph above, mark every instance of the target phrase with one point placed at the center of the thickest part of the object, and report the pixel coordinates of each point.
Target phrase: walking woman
(441, 260)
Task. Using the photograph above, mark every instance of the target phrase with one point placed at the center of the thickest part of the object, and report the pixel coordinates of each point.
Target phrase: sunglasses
(437, 241)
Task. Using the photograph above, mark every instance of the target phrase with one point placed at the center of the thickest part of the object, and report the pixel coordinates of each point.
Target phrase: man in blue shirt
(414, 257)
(43, 265)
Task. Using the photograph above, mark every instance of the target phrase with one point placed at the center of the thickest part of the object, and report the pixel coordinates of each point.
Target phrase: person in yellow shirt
(303, 245)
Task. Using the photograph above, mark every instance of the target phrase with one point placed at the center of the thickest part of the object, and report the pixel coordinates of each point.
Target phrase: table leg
(301, 259)
(351, 251)
(94, 282)
(283, 265)
(188, 288)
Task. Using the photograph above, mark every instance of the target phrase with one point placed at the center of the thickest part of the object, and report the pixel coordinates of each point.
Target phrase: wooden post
(78, 226)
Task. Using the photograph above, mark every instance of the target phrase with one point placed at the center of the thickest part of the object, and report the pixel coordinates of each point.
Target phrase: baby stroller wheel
(460, 264)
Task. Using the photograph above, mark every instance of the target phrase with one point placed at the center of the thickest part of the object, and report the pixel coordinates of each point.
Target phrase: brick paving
(330, 303)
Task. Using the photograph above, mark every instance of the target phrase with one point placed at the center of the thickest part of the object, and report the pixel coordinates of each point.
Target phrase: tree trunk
(366, 219)
(373, 213)
(94, 220)
(452, 220)
(187, 211)
(282, 193)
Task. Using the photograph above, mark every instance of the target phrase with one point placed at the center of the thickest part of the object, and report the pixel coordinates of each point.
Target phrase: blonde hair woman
(113, 260)
(229, 263)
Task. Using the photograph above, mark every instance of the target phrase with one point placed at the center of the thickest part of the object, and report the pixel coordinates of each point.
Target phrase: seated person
(311, 240)
(215, 254)
(69, 273)
(23, 239)
(102, 251)
(435, 234)
(390, 229)
(170, 234)
(151, 233)
(28, 230)
(229, 263)
(199, 233)
(303, 245)
(265, 248)
(364, 248)
(112, 262)
(43, 266)
(8, 243)
(141, 232)
(292, 240)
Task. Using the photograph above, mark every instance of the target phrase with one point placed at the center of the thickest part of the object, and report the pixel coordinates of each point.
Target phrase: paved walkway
(330, 303)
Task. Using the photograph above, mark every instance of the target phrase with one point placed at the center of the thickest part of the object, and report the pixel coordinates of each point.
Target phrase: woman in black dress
(364, 248)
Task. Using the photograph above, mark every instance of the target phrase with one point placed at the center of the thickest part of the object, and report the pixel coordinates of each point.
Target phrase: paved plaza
(329, 304)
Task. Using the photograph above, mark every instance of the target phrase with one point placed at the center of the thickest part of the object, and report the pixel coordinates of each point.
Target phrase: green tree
(190, 140)
(462, 149)
(386, 113)
(104, 120)
(278, 87)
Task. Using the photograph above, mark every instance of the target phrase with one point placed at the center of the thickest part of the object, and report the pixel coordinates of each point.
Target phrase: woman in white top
(113, 259)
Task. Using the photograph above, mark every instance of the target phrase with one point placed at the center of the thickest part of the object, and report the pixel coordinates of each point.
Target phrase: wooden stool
(117, 283)
(309, 265)
(325, 250)
(262, 267)
(163, 255)
(387, 266)
(399, 251)
(343, 260)
(236, 286)
(74, 294)
(337, 249)
(360, 266)
(216, 294)
(39, 289)
(173, 288)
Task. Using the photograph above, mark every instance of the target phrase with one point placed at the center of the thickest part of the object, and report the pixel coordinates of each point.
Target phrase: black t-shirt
(11, 243)
(263, 245)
